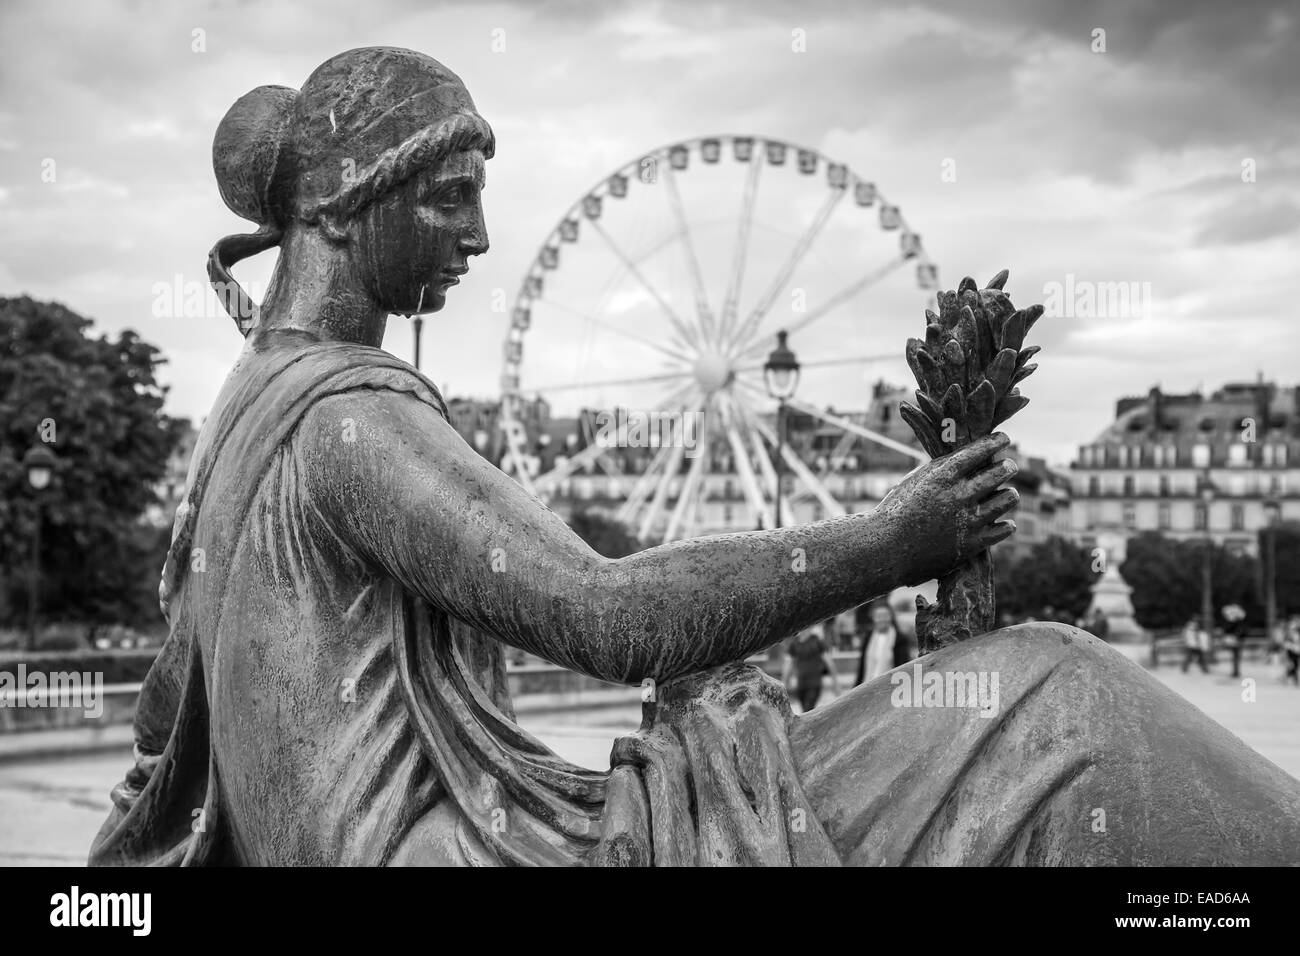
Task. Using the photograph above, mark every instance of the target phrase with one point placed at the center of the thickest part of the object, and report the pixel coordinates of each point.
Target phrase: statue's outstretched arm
(411, 497)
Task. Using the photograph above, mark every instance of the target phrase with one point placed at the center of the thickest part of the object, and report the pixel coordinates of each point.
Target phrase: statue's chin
(433, 303)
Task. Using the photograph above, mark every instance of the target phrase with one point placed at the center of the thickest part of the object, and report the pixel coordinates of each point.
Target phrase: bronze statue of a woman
(345, 571)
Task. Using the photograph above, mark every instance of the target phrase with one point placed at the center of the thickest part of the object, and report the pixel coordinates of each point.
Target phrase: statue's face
(881, 618)
(412, 244)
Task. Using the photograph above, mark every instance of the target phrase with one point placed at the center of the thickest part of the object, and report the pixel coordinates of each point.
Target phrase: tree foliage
(1165, 575)
(1286, 550)
(99, 400)
(1052, 581)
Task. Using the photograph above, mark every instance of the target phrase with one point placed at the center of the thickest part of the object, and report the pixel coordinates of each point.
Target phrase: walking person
(1234, 634)
(1196, 645)
(807, 662)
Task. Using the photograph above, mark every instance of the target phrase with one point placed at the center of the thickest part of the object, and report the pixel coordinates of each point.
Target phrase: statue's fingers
(995, 507)
(966, 460)
(984, 483)
(998, 531)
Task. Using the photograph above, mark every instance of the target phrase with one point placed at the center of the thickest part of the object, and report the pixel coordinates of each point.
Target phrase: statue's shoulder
(293, 370)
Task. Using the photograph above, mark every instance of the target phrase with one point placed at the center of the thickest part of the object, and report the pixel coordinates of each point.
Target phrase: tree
(1286, 551)
(1165, 575)
(605, 535)
(1053, 580)
(97, 404)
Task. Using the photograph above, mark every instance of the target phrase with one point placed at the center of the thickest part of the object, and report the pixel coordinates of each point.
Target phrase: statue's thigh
(1080, 757)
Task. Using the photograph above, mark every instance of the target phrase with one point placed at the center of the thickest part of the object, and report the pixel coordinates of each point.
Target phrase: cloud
(1123, 165)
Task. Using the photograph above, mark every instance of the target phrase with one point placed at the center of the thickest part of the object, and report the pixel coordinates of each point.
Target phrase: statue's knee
(1043, 646)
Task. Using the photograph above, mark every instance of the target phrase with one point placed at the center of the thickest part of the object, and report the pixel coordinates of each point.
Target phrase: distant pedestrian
(1234, 634)
(1291, 645)
(807, 662)
(1196, 645)
(1099, 625)
(884, 647)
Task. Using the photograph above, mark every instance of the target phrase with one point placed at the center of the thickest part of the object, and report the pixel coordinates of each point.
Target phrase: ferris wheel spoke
(826, 363)
(744, 468)
(588, 455)
(784, 274)
(611, 327)
(675, 403)
(671, 468)
(687, 333)
(740, 251)
(690, 487)
(855, 428)
(844, 295)
(801, 470)
(704, 314)
(765, 463)
(611, 382)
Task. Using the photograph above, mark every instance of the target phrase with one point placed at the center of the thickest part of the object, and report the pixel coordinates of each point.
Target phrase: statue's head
(382, 152)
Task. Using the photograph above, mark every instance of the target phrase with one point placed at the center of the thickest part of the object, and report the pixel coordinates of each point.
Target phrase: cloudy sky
(1162, 152)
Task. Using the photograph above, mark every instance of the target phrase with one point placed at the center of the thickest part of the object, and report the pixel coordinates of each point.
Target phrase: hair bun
(246, 150)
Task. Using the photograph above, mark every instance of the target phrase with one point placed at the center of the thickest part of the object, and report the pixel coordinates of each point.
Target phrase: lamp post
(417, 323)
(39, 464)
(1207, 601)
(1272, 512)
(781, 375)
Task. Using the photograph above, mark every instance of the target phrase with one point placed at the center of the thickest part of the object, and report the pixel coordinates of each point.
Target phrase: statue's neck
(315, 289)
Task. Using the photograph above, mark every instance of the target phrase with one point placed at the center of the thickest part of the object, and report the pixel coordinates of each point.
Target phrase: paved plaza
(50, 807)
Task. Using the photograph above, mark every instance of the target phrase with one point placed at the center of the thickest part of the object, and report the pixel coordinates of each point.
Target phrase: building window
(1130, 516)
(1237, 455)
(726, 515)
(1200, 517)
(1094, 486)
(1238, 518)
(1200, 456)
(1128, 486)
(1162, 517)
(1164, 486)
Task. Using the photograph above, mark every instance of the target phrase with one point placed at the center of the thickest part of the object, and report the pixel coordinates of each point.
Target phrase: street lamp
(1273, 513)
(1207, 490)
(781, 375)
(39, 463)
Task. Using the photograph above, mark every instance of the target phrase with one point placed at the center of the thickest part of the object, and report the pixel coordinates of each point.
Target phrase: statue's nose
(474, 242)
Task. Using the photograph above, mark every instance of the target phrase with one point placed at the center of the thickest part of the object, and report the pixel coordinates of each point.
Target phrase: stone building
(1190, 465)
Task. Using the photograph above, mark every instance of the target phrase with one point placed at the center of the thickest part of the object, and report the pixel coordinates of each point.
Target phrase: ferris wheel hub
(713, 371)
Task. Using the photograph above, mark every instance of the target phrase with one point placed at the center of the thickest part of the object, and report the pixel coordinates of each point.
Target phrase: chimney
(1155, 404)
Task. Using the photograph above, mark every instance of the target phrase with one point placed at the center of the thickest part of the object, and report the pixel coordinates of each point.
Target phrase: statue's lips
(446, 279)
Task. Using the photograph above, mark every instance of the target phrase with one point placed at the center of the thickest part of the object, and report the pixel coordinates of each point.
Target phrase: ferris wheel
(661, 290)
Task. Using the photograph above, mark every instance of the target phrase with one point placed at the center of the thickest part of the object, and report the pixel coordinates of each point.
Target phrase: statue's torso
(309, 729)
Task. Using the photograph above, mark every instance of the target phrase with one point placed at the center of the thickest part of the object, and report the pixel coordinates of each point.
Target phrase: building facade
(1189, 466)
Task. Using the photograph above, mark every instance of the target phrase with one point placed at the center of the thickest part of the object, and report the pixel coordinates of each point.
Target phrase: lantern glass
(38, 476)
(781, 382)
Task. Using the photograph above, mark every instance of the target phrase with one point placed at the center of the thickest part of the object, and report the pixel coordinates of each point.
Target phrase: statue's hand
(947, 511)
